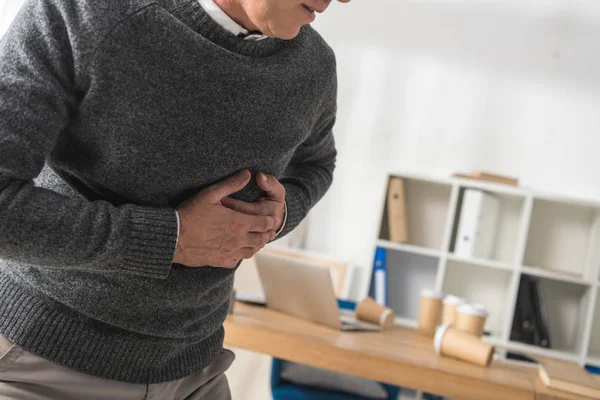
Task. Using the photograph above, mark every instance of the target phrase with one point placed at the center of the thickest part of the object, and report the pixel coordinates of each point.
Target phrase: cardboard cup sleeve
(449, 307)
(370, 311)
(453, 343)
(470, 319)
(430, 308)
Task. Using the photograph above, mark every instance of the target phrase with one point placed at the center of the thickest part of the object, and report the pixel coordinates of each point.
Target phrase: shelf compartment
(407, 274)
(510, 220)
(427, 206)
(563, 238)
(408, 248)
(481, 285)
(566, 306)
(481, 262)
(555, 275)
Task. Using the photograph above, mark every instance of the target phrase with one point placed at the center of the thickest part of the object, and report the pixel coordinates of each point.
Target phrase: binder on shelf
(530, 324)
(540, 313)
(380, 276)
(396, 204)
(524, 324)
(478, 224)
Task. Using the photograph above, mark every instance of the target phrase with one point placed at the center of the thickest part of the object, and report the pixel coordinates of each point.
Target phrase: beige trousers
(25, 376)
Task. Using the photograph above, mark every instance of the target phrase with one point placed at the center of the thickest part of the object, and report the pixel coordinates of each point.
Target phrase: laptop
(305, 290)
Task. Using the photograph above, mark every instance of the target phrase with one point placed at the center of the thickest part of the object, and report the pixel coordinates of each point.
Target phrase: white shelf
(554, 238)
(557, 276)
(481, 262)
(408, 248)
(557, 354)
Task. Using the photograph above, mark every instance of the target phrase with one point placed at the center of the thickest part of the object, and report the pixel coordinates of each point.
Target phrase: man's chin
(288, 34)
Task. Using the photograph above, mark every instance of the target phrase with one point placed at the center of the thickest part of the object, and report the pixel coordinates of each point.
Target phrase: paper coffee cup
(430, 308)
(370, 311)
(451, 342)
(471, 319)
(449, 307)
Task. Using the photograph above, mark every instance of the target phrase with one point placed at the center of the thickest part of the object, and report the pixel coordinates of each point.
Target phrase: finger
(271, 186)
(247, 252)
(258, 223)
(247, 208)
(258, 239)
(230, 185)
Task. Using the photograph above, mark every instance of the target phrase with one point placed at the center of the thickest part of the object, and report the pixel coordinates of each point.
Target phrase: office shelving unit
(555, 239)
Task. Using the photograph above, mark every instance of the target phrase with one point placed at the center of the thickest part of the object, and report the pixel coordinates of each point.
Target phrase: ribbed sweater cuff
(296, 209)
(151, 245)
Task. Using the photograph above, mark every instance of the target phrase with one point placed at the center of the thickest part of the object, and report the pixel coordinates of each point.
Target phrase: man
(146, 147)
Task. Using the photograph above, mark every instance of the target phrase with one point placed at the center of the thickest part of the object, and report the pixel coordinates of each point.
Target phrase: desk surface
(399, 356)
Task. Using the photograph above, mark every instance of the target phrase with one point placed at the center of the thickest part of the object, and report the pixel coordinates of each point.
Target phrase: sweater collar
(191, 13)
(227, 22)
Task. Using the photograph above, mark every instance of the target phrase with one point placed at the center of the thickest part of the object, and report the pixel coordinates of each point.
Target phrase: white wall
(8, 10)
(440, 86)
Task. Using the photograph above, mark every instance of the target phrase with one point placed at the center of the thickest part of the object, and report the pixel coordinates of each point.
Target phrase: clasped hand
(217, 230)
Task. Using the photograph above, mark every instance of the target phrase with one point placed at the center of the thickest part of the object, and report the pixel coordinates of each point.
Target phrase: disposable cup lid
(453, 300)
(432, 294)
(439, 337)
(475, 310)
(480, 307)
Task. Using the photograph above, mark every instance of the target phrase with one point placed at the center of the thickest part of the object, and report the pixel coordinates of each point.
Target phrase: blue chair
(283, 390)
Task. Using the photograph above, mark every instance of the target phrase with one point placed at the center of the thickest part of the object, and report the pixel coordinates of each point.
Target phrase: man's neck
(236, 12)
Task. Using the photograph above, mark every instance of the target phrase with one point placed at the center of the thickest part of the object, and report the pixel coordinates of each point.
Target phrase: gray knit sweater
(111, 114)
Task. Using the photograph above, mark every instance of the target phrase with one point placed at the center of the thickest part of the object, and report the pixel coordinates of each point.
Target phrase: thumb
(230, 185)
(271, 186)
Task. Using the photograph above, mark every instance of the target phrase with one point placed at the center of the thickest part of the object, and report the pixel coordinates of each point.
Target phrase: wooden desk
(399, 356)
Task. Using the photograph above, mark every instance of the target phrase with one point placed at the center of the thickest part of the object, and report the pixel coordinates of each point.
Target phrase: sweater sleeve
(310, 173)
(41, 227)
